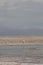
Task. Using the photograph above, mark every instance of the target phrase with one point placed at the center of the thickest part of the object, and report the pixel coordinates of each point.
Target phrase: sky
(21, 14)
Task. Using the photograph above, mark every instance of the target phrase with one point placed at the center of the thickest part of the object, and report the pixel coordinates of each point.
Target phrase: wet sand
(5, 60)
(14, 63)
(21, 55)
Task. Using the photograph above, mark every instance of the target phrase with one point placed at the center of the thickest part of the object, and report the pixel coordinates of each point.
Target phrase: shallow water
(22, 50)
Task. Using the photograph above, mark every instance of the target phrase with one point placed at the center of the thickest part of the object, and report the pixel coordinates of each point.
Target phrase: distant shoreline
(20, 40)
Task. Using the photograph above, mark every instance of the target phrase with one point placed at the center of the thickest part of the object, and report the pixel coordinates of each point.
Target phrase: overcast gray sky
(21, 14)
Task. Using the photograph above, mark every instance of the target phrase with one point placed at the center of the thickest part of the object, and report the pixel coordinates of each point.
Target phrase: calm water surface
(22, 50)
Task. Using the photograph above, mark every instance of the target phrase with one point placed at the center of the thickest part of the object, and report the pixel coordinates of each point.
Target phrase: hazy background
(21, 17)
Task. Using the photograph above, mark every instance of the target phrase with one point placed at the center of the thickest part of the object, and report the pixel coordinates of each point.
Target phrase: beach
(5, 60)
(21, 55)
(20, 40)
(13, 63)
(21, 50)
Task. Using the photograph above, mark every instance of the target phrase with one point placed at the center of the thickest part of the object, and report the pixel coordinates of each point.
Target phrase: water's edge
(22, 50)
(22, 53)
